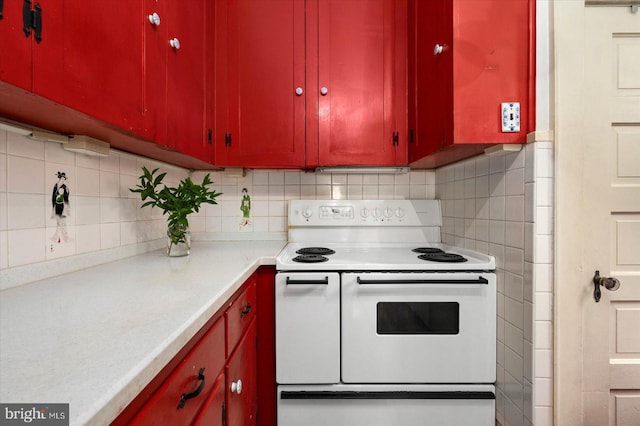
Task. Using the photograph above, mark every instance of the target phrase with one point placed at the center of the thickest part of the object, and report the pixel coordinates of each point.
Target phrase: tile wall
(270, 190)
(104, 221)
(502, 205)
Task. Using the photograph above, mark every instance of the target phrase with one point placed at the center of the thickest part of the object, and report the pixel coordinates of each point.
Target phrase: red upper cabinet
(309, 83)
(261, 51)
(176, 51)
(87, 57)
(96, 65)
(362, 82)
(16, 46)
(466, 58)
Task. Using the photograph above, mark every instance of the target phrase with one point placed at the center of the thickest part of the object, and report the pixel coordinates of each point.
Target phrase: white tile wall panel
(513, 221)
(21, 146)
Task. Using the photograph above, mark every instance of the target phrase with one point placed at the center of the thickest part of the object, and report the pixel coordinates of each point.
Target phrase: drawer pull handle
(246, 310)
(186, 396)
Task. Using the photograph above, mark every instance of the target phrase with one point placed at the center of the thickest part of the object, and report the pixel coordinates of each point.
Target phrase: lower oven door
(418, 327)
(307, 327)
(382, 405)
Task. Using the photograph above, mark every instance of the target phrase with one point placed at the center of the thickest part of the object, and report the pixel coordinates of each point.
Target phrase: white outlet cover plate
(510, 117)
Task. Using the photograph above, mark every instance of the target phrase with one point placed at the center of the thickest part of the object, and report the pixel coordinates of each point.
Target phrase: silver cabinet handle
(438, 49)
(299, 91)
(236, 387)
(175, 43)
(324, 91)
(154, 19)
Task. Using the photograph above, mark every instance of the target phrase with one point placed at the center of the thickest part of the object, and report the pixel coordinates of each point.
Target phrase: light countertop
(95, 338)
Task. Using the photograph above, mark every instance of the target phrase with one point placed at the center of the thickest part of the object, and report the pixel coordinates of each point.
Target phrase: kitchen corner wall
(104, 221)
(502, 205)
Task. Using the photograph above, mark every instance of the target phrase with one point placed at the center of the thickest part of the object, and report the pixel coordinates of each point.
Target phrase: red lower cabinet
(214, 379)
(242, 394)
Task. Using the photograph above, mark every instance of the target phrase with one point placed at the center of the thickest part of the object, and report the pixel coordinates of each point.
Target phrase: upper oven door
(418, 327)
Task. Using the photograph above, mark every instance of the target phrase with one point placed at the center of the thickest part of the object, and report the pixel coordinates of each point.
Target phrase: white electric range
(378, 322)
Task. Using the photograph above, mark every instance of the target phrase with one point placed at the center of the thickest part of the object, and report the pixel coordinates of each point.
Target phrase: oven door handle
(387, 395)
(480, 280)
(324, 281)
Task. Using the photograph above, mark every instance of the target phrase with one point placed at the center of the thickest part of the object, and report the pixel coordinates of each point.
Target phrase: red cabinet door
(175, 77)
(186, 77)
(90, 59)
(361, 84)
(241, 393)
(455, 94)
(262, 116)
(430, 92)
(15, 59)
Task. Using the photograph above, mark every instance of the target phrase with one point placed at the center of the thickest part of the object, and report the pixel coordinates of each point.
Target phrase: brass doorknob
(609, 283)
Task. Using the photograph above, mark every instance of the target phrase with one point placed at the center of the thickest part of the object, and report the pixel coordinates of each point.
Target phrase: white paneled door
(607, 217)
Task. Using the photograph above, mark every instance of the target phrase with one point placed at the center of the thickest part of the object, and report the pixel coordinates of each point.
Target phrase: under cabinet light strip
(363, 170)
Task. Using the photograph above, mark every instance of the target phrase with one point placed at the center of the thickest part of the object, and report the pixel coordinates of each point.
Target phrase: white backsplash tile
(22, 146)
(26, 211)
(128, 233)
(21, 250)
(110, 163)
(109, 184)
(4, 254)
(55, 154)
(25, 175)
(109, 235)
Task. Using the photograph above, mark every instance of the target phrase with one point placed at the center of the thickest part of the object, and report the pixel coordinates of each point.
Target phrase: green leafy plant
(176, 202)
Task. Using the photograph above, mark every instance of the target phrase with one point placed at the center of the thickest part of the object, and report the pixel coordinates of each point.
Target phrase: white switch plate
(510, 117)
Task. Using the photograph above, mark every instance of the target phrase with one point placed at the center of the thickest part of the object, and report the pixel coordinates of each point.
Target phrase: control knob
(376, 212)
(364, 212)
(388, 212)
(307, 212)
(399, 212)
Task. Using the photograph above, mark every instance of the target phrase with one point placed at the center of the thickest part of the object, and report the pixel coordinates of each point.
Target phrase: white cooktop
(372, 235)
(381, 257)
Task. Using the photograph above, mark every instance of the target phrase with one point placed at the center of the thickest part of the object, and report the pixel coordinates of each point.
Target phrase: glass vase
(178, 240)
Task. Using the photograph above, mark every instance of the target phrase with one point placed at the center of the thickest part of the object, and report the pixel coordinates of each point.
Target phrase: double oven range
(378, 323)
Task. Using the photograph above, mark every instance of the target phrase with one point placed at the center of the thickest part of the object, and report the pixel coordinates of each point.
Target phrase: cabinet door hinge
(227, 139)
(396, 138)
(411, 136)
(1, 7)
(32, 19)
(209, 136)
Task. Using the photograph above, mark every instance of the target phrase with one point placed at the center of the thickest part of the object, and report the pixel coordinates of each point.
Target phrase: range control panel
(364, 213)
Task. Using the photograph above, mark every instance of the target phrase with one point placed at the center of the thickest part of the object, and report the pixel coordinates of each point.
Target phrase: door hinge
(1, 7)
(32, 19)
(209, 136)
(396, 138)
(227, 139)
(411, 136)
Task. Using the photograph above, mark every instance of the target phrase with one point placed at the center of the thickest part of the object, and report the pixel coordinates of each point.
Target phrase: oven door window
(418, 317)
